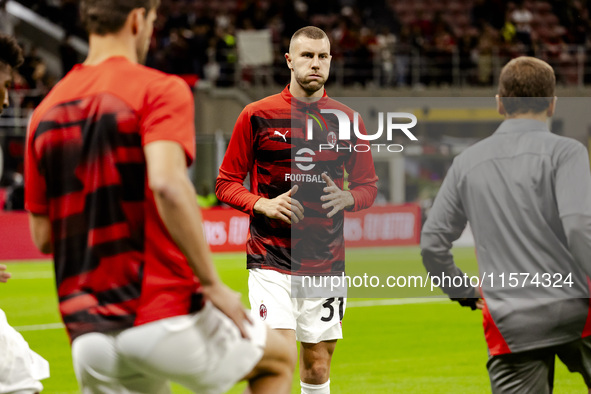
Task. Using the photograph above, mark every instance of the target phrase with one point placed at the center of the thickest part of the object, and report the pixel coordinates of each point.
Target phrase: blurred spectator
(424, 24)
(363, 56)
(15, 193)
(522, 18)
(224, 44)
(33, 69)
(508, 31)
(385, 46)
(466, 49)
(198, 45)
(487, 41)
(442, 52)
(34, 77)
(402, 56)
(177, 53)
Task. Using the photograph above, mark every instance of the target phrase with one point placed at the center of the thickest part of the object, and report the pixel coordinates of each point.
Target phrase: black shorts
(533, 371)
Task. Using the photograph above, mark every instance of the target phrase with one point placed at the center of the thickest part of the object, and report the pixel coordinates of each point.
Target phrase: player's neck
(103, 47)
(542, 116)
(296, 91)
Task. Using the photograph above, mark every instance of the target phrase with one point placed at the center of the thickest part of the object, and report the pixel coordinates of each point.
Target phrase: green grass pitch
(429, 347)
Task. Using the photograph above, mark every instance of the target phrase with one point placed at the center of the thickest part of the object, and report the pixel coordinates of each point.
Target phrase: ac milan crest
(263, 312)
(331, 138)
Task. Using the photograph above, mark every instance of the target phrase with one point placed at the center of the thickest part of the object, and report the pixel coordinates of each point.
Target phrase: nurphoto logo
(344, 132)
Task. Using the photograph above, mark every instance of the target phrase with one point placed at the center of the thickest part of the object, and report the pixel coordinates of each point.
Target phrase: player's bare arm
(4, 276)
(40, 227)
(337, 199)
(175, 198)
(283, 207)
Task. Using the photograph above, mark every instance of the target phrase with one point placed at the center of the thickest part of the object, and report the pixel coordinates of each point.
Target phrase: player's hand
(4, 276)
(337, 198)
(472, 303)
(228, 301)
(283, 207)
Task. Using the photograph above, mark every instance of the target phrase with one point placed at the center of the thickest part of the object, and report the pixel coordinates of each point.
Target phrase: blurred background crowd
(376, 43)
(379, 47)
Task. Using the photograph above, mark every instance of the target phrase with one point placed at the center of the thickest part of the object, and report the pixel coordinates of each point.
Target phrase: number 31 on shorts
(329, 305)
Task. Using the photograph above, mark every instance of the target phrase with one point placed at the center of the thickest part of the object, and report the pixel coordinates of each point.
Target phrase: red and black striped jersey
(115, 263)
(271, 142)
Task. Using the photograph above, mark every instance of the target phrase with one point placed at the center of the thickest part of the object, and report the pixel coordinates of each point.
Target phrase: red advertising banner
(15, 238)
(385, 225)
(226, 230)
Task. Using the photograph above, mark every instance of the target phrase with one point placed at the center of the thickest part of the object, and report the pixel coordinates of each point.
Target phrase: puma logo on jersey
(282, 135)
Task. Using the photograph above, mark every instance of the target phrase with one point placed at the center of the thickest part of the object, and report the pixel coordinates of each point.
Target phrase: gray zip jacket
(527, 195)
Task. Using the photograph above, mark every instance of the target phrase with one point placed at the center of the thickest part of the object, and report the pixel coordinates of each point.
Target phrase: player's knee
(316, 372)
(280, 356)
(286, 348)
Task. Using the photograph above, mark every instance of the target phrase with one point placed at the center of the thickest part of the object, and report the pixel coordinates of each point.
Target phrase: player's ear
(136, 18)
(552, 107)
(500, 106)
(288, 61)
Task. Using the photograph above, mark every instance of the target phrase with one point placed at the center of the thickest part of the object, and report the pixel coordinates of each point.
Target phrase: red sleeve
(362, 175)
(238, 161)
(35, 187)
(170, 114)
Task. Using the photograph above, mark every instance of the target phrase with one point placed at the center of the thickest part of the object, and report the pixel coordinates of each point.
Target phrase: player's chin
(314, 85)
(317, 80)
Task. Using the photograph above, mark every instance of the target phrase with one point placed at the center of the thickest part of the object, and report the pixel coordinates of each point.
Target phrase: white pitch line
(350, 304)
(39, 327)
(33, 275)
(395, 301)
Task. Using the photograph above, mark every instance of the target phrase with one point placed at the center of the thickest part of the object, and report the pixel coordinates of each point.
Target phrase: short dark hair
(108, 16)
(312, 32)
(11, 53)
(526, 85)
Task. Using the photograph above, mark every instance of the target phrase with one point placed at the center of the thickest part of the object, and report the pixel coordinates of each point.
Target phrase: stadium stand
(453, 42)
(428, 47)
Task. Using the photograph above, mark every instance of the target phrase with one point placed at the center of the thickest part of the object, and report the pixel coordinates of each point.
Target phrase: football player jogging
(21, 369)
(296, 203)
(527, 196)
(108, 194)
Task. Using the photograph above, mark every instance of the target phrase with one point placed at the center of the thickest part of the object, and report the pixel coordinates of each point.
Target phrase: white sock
(323, 388)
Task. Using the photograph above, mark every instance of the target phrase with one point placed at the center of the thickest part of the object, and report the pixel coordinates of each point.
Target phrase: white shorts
(203, 351)
(21, 369)
(313, 319)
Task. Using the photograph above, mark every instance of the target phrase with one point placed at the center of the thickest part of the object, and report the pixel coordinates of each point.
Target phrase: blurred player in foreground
(527, 196)
(20, 367)
(285, 241)
(108, 194)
